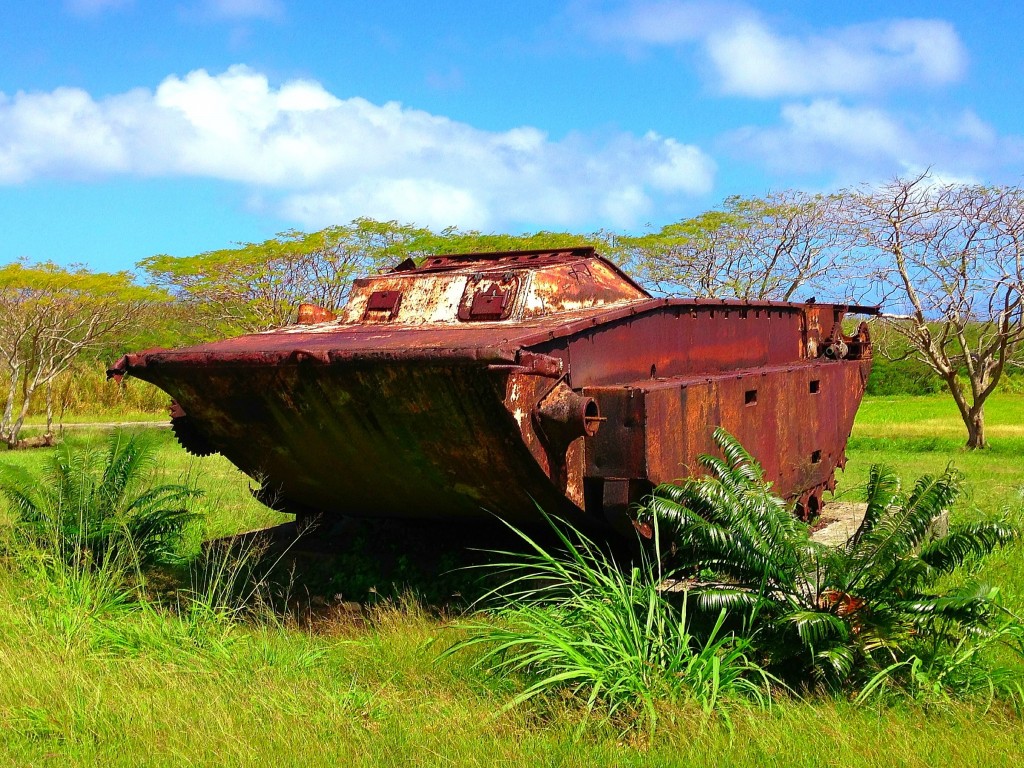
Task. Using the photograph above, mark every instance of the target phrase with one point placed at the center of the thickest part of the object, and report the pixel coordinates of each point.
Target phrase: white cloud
(436, 203)
(811, 136)
(854, 143)
(320, 159)
(661, 22)
(749, 58)
(752, 60)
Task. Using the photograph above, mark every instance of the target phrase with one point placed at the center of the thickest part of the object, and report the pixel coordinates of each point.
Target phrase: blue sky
(134, 127)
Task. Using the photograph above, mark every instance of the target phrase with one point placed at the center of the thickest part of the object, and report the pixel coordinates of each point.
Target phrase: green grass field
(88, 680)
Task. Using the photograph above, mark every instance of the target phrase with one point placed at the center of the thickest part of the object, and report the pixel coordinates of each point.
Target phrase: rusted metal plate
(617, 449)
(489, 297)
(490, 383)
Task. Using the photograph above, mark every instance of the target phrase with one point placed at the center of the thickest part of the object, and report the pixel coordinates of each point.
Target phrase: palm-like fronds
(972, 540)
(730, 521)
(832, 613)
(87, 502)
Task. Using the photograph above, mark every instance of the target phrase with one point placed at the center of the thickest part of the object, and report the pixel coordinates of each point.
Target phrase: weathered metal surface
(496, 382)
(312, 313)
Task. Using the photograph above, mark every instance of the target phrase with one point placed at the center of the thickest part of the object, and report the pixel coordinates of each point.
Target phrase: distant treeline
(912, 377)
(946, 261)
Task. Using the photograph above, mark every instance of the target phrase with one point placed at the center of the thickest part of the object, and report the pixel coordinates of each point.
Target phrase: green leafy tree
(50, 317)
(258, 286)
(839, 613)
(453, 240)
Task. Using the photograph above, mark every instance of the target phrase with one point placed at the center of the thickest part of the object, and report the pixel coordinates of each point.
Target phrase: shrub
(88, 504)
(902, 377)
(835, 615)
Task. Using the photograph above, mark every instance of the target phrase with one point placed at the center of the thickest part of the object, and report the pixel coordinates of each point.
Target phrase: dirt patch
(42, 441)
(838, 521)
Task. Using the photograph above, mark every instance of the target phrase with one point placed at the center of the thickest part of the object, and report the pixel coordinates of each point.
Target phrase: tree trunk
(48, 437)
(975, 421)
(19, 422)
(972, 410)
(8, 414)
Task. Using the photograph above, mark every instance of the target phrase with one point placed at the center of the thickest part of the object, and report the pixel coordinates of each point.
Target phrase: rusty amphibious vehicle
(494, 383)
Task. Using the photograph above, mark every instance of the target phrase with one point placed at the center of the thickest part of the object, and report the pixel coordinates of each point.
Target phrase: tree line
(945, 262)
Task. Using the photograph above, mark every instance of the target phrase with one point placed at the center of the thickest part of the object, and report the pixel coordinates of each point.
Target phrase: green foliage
(84, 390)
(257, 286)
(88, 505)
(840, 614)
(898, 369)
(260, 285)
(71, 598)
(453, 240)
(51, 317)
(49, 284)
(576, 621)
(963, 670)
(902, 377)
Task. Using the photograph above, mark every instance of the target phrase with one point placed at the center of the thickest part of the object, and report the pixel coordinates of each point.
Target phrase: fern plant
(86, 503)
(838, 614)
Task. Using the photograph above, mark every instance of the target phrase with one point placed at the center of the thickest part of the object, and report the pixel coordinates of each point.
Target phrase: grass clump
(577, 622)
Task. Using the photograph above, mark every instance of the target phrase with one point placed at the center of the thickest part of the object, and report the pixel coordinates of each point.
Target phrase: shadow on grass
(351, 565)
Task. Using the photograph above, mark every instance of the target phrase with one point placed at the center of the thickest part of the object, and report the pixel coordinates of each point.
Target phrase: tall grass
(576, 621)
(90, 529)
(84, 390)
(362, 687)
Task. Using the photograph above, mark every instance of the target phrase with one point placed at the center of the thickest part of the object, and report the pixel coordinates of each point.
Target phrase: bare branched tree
(948, 266)
(50, 316)
(755, 248)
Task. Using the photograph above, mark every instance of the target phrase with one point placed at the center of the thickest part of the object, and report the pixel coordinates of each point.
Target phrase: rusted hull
(795, 419)
(405, 439)
(445, 391)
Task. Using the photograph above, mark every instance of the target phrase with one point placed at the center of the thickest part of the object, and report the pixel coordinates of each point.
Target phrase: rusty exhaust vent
(309, 314)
